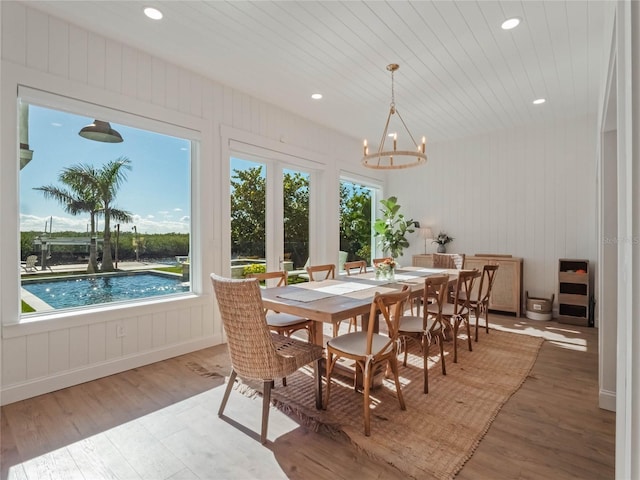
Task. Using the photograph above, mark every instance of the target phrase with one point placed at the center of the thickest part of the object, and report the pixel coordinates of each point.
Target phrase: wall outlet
(120, 331)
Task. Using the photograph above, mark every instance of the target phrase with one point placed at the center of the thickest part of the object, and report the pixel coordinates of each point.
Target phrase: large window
(269, 217)
(101, 220)
(356, 233)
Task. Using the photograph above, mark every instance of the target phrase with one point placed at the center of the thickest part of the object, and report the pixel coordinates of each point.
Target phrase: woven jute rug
(439, 431)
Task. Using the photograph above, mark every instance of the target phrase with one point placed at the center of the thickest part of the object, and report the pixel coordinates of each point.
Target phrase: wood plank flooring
(160, 422)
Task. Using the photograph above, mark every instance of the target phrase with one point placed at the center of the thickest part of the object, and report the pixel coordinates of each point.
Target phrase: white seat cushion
(410, 324)
(283, 319)
(447, 309)
(356, 343)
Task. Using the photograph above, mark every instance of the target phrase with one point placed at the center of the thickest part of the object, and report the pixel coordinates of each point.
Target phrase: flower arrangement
(443, 238)
(385, 270)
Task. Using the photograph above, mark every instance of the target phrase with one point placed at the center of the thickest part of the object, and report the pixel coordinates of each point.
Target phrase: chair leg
(317, 375)
(223, 404)
(425, 355)
(468, 332)
(266, 402)
(441, 342)
(477, 313)
(329, 369)
(393, 364)
(367, 386)
(486, 318)
(455, 341)
(336, 327)
(406, 350)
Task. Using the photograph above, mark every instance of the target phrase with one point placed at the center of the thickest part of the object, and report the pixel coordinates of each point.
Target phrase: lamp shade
(425, 232)
(100, 132)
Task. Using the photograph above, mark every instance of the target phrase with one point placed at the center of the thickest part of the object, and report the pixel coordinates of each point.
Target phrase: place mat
(438, 432)
(305, 295)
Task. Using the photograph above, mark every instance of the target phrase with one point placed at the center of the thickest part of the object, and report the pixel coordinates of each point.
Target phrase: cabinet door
(423, 260)
(504, 295)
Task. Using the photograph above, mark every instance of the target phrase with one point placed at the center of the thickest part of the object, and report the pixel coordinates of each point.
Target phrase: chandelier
(394, 159)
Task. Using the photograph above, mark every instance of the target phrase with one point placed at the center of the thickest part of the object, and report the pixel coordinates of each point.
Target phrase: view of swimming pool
(97, 289)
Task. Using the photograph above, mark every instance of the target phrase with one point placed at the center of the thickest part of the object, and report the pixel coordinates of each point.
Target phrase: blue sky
(156, 191)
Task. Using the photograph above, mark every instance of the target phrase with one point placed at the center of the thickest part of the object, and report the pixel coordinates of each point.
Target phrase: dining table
(332, 300)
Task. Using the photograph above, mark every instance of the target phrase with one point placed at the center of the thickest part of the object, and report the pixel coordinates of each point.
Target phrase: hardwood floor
(160, 422)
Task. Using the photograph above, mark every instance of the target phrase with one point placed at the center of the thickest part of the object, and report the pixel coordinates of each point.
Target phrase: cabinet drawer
(572, 277)
(566, 298)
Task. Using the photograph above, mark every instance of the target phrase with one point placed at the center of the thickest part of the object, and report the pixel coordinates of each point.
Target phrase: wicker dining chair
(368, 349)
(456, 313)
(428, 327)
(257, 353)
(283, 323)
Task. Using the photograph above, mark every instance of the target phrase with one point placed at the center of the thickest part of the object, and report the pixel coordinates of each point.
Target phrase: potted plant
(392, 228)
(442, 239)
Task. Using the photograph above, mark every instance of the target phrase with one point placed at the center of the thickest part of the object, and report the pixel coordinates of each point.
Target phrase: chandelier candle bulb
(424, 142)
(395, 141)
(365, 146)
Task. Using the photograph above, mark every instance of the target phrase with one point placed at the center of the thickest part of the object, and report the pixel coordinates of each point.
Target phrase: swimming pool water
(94, 290)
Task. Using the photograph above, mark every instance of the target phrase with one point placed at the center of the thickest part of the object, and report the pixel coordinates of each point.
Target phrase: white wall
(528, 192)
(46, 53)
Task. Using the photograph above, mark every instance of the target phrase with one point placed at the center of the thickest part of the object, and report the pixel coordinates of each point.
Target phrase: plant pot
(442, 249)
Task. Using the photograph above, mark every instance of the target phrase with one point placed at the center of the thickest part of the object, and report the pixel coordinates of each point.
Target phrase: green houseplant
(392, 228)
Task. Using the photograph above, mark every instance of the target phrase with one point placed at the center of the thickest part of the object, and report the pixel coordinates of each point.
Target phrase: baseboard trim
(607, 400)
(40, 386)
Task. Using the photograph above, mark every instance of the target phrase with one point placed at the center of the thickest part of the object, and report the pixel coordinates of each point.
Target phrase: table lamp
(427, 234)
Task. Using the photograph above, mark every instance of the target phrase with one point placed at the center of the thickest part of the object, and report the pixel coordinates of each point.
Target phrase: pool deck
(82, 267)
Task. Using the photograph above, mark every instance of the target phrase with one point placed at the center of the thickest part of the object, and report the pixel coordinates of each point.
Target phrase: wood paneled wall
(528, 192)
(46, 53)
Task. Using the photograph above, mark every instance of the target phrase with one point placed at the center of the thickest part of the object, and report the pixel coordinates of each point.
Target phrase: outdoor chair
(30, 264)
(368, 349)
(428, 327)
(257, 353)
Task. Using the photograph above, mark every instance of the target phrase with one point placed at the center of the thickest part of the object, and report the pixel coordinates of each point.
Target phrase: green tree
(77, 198)
(355, 221)
(248, 212)
(296, 216)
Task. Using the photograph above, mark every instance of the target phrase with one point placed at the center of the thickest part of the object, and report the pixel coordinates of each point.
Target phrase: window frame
(163, 122)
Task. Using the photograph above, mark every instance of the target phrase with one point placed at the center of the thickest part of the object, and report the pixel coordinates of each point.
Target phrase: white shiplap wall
(528, 192)
(49, 54)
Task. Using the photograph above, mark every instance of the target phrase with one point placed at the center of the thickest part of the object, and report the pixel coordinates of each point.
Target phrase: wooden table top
(344, 297)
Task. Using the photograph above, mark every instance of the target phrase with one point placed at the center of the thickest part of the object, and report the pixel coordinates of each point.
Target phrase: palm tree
(104, 184)
(77, 199)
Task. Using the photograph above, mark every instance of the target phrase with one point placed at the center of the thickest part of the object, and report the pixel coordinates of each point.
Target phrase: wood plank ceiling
(460, 73)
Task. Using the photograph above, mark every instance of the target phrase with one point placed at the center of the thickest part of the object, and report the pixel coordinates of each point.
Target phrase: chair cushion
(283, 319)
(356, 343)
(410, 324)
(447, 309)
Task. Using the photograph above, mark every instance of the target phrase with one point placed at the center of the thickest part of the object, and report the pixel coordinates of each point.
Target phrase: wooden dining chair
(368, 349)
(428, 327)
(355, 267)
(257, 353)
(449, 260)
(457, 313)
(479, 301)
(321, 272)
(327, 272)
(283, 323)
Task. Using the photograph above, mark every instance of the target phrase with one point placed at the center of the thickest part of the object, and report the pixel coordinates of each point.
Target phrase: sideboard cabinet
(506, 295)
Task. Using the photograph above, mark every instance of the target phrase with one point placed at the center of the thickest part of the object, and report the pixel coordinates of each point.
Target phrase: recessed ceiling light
(316, 96)
(510, 23)
(153, 13)
(538, 101)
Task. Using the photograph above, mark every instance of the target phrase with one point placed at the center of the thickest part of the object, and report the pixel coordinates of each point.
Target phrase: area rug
(438, 432)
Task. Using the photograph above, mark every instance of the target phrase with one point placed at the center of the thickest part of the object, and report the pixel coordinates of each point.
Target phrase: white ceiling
(460, 73)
